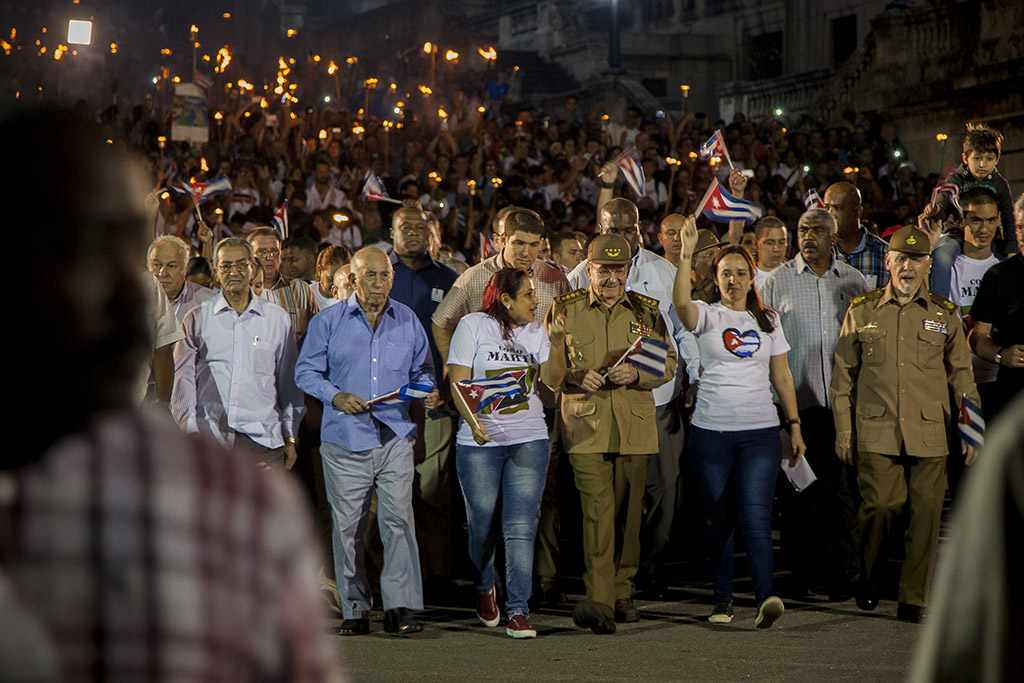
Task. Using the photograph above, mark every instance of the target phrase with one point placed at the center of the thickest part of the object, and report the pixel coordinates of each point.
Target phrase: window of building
(763, 56)
(844, 38)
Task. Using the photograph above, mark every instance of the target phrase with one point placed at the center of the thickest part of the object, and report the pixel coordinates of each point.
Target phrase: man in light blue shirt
(234, 372)
(354, 352)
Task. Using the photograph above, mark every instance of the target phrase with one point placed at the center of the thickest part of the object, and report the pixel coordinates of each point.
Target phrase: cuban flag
(202, 191)
(202, 80)
(971, 424)
(630, 168)
(715, 146)
(280, 220)
(649, 355)
(952, 190)
(409, 392)
(487, 246)
(373, 189)
(480, 393)
(722, 207)
(812, 200)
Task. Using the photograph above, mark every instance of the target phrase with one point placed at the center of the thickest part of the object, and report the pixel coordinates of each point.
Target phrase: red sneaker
(487, 609)
(519, 627)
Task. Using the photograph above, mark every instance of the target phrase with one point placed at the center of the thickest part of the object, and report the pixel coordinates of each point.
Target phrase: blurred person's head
(199, 272)
(842, 200)
(670, 236)
(94, 236)
(341, 287)
(566, 250)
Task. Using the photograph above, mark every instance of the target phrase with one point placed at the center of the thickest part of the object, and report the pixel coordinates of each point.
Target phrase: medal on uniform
(933, 326)
(639, 329)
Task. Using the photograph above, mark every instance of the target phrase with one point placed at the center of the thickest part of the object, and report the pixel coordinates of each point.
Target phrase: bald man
(653, 276)
(855, 245)
(356, 351)
(669, 237)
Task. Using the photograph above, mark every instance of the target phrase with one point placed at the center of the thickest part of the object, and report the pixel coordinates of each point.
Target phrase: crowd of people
(353, 335)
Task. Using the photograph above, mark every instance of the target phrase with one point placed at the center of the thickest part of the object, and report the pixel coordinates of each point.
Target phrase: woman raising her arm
(734, 445)
(504, 449)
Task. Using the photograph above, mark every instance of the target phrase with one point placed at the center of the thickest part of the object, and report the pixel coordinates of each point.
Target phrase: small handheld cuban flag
(971, 424)
(630, 168)
(715, 146)
(952, 190)
(202, 80)
(409, 392)
(280, 220)
(649, 355)
(480, 393)
(812, 200)
(720, 206)
(373, 189)
(202, 191)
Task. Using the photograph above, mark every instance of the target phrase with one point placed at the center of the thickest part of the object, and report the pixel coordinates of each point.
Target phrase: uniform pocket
(581, 420)
(929, 348)
(581, 349)
(643, 430)
(933, 426)
(872, 344)
(871, 422)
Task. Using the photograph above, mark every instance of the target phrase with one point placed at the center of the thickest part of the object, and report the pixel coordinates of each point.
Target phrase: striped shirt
(146, 555)
(869, 259)
(467, 294)
(236, 373)
(190, 296)
(811, 310)
(294, 297)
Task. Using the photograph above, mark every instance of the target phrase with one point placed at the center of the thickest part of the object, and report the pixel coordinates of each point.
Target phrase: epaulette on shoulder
(646, 300)
(870, 296)
(945, 303)
(571, 296)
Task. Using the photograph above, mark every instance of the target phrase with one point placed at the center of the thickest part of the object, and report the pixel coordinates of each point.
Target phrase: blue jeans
(736, 473)
(943, 255)
(515, 473)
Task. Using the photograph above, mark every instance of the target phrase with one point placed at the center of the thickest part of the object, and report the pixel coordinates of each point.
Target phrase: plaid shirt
(811, 311)
(869, 259)
(294, 297)
(467, 294)
(151, 555)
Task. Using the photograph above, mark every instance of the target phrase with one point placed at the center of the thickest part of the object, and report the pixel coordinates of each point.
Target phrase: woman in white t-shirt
(734, 445)
(503, 451)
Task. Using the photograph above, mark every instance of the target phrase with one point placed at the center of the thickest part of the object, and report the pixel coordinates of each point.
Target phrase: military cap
(609, 249)
(705, 240)
(910, 240)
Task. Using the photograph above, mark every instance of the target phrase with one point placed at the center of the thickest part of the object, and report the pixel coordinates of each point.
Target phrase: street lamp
(79, 32)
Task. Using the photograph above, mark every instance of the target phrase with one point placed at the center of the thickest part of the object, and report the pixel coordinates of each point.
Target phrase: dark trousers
(820, 522)
(660, 493)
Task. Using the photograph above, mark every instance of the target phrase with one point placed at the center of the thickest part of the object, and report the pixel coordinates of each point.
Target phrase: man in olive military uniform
(898, 349)
(608, 419)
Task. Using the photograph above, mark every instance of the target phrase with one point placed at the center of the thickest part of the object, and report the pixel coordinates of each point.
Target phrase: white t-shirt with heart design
(735, 393)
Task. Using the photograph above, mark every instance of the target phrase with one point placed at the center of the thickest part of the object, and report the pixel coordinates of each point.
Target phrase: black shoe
(625, 612)
(597, 617)
(911, 613)
(867, 595)
(400, 622)
(354, 627)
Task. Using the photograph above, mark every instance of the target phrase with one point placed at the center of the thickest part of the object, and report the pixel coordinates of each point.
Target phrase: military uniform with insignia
(893, 363)
(609, 433)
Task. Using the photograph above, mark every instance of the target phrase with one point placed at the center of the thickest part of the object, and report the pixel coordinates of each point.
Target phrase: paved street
(813, 641)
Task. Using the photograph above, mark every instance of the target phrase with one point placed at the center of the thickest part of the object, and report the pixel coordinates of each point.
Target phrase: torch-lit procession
(683, 341)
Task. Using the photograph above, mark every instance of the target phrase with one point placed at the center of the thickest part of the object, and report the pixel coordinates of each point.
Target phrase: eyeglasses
(619, 271)
(268, 253)
(240, 266)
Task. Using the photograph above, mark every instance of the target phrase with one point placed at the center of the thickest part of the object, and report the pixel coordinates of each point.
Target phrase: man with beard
(899, 348)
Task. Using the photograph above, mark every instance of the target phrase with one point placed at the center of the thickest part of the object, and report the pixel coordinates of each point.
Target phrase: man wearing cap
(899, 348)
(702, 273)
(608, 419)
(652, 276)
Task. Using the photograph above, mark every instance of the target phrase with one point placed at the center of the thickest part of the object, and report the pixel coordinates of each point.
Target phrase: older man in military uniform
(898, 349)
(608, 415)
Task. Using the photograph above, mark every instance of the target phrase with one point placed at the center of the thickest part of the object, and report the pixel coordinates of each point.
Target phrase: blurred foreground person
(114, 524)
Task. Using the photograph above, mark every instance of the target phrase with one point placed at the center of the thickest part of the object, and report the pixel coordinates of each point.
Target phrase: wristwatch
(999, 357)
